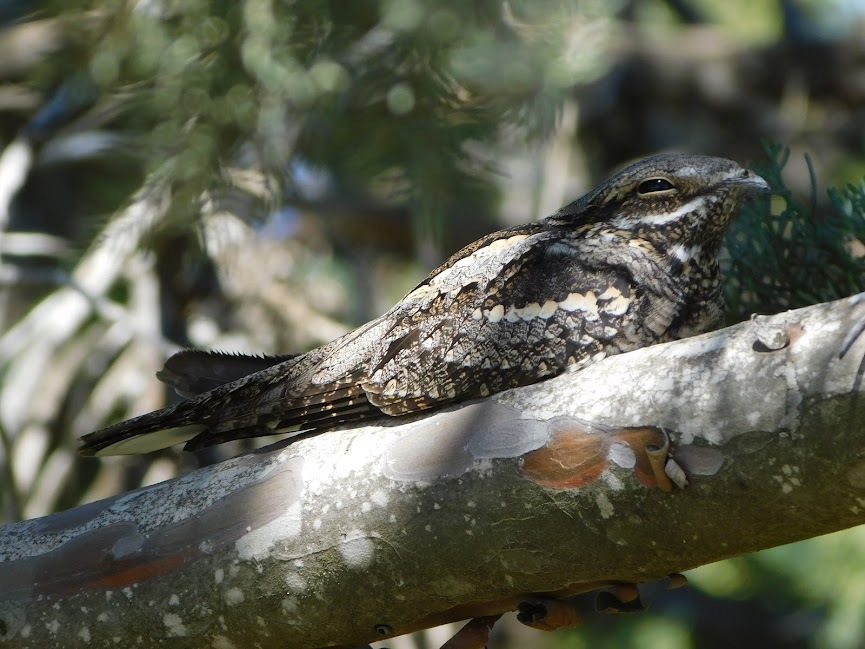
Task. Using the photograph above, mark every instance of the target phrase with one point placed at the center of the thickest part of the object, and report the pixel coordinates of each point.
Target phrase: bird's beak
(750, 182)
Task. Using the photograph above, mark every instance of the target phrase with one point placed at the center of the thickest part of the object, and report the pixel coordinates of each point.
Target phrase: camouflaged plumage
(630, 264)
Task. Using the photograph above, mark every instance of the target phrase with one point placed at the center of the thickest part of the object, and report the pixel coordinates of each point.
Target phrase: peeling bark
(356, 535)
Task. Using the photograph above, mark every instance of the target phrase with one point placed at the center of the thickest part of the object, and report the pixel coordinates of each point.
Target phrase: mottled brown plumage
(630, 264)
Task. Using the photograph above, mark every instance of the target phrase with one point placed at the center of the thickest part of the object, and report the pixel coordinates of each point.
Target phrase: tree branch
(355, 535)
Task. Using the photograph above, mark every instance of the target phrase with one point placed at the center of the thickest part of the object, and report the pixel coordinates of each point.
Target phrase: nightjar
(630, 264)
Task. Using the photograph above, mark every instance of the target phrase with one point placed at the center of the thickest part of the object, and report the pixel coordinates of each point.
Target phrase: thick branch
(351, 535)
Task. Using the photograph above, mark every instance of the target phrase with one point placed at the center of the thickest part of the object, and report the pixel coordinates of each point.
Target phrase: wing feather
(193, 371)
(548, 308)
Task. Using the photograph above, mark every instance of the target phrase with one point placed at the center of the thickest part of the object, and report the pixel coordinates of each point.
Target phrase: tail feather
(316, 418)
(150, 432)
(310, 426)
(233, 410)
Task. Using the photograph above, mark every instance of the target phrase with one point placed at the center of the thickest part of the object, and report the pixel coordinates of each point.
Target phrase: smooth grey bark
(379, 530)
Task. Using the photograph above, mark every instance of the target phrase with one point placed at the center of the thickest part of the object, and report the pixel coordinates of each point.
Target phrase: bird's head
(689, 199)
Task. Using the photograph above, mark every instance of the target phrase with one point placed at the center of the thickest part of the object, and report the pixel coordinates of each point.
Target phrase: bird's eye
(653, 185)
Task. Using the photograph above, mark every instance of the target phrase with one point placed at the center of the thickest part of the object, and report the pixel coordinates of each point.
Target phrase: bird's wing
(525, 313)
(194, 371)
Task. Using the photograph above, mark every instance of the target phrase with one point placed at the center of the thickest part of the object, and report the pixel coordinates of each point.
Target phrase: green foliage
(364, 89)
(789, 253)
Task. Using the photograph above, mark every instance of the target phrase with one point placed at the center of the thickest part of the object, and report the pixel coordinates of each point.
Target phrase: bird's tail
(191, 372)
(150, 432)
(226, 403)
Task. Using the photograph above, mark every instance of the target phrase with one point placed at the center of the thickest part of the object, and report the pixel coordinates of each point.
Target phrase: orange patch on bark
(578, 453)
(121, 577)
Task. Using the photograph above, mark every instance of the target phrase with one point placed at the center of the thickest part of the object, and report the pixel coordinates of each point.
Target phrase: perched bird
(630, 264)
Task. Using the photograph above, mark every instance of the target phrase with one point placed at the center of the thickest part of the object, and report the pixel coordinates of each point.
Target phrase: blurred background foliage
(264, 175)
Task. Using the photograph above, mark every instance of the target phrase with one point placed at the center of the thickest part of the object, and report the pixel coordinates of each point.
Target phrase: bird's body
(630, 264)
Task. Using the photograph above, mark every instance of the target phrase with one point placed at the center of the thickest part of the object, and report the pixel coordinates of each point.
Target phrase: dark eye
(653, 185)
